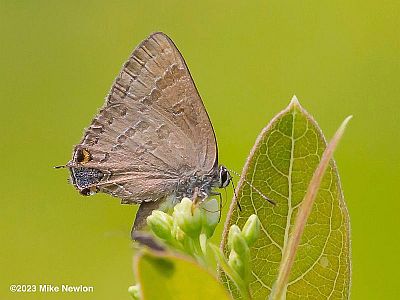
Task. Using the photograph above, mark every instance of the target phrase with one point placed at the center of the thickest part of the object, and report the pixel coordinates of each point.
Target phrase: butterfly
(153, 138)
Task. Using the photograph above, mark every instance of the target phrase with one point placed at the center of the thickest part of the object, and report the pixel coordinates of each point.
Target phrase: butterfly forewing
(153, 128)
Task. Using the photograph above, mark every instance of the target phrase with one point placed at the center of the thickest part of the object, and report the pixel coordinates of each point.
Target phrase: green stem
(232, 274)
(194, 249)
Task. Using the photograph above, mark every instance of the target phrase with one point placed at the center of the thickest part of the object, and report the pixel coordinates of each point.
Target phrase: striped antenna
(253, 187)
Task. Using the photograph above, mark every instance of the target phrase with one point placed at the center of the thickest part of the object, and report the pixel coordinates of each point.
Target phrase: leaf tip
(294, 102)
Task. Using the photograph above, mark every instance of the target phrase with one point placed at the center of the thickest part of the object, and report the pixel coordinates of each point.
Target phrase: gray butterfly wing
(153, 129)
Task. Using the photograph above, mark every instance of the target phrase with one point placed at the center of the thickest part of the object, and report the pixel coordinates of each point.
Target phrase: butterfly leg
(196, 199)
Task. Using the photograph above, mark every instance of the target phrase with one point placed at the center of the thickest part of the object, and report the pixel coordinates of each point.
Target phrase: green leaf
(280, 166)
(166, 276)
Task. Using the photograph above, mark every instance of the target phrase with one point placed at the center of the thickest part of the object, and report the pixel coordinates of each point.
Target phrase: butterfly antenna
(59, 167)
(253, 187)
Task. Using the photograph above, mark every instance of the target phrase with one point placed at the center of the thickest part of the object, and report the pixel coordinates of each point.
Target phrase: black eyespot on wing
(79, 155)
(83, 156)
(85, 192)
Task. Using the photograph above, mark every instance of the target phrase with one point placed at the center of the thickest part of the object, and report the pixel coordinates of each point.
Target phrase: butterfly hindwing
(152, 130)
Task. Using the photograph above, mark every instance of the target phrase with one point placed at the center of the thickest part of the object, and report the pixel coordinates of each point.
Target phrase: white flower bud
(161, 224)
(187, 218)
(251, 230)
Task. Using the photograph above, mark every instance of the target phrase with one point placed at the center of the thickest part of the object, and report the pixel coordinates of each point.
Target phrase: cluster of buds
(189, 227)
(239, 243)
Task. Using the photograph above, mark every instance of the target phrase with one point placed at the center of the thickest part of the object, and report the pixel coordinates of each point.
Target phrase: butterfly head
(224, 177)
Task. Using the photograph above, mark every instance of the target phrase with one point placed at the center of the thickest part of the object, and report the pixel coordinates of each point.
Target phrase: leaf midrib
(290, 208)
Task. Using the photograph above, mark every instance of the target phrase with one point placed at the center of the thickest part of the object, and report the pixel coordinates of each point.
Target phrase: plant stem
(237, 280)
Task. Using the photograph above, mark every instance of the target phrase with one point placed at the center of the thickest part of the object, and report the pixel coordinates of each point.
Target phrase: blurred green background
(59, 58)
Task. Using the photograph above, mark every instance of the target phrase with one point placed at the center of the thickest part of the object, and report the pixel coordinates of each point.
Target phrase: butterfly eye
(224, 177)
(83, 156)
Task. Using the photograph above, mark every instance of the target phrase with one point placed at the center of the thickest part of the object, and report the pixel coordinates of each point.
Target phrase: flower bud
(134, 290)
(161, 224)
(211, 216)
(251, 230)
(233, 230)
(188, 219)
(240, 246)
(178, 233)
(237, 264)
(237, 242)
